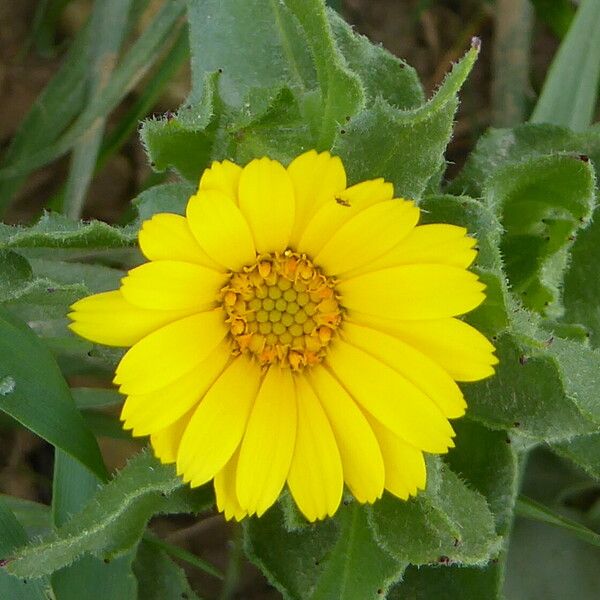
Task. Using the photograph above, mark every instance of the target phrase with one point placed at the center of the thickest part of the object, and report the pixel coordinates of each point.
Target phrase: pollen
(283, 310)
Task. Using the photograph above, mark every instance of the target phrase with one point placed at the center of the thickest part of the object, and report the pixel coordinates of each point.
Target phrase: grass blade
(570, 92)
(530, 509)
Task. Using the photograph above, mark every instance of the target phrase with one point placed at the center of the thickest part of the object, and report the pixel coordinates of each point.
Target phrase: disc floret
(282, 309)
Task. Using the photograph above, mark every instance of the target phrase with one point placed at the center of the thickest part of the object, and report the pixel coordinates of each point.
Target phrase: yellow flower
(290, 329)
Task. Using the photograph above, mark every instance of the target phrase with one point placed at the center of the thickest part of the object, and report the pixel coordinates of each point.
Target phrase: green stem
(232, 575)
(184, 555)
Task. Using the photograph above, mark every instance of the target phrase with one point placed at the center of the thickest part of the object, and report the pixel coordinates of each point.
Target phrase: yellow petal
(223, 177)
(391, 398)
(153, 411)
(227, 501)
(438, 243)
(221, 229)
(359, 451)
(316, 477)
(165, 442)
(168, 237)
(215, 431)
(267, 201)
(107, 318)
(413, 292)
(457, 347)
(333, 214)
(172, 285)
(266, 450)
(368, 235)
(316, 178)
(405, 470)
(415, 366)
(170, 352)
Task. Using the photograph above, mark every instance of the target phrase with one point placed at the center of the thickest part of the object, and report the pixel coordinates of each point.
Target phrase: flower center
(281, 309)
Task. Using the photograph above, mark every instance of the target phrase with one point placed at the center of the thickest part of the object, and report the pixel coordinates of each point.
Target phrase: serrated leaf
(291, 560)
(114, 520)
(542, 202)
(581, 287)
(39, 397)
(487, 463)
(381, 73)
(57, 231)
(337, 558)
(184, 141)
(341, 92)
(447, 523)
(380, 140)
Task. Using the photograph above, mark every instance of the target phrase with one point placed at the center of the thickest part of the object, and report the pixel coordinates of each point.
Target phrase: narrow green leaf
(13, 535)
(530, 509)
(34, 517)
(114, 520)
(56, 107)
(557, 14)
(39, 397)
(570, 92)
(184, 555)
(134, 65)
(379, 141)
(86, 398)
(159, 578)
(109, 25)
(584, 451)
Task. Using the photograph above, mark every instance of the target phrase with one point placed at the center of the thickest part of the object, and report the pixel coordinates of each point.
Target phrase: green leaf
(35, 394)
(13, 535)
(108, 24)
(89, 577)
(57, 231)
(557, 14)
(159, 578)
(447, 523)
(542, 203)
(223, 31)
(530, 509)
(499, 147)
(337, 558)
(570, 90)
(545, 562)
(86, 398)
(60, 101)
(484, 460)
(168, 197)
(379, 141)
(34, 517)
(131, 69)
(356, 568)
(381, 73)
(340, 89)
(114, 520)
(184, 141)
(584, 451)
(581, 287)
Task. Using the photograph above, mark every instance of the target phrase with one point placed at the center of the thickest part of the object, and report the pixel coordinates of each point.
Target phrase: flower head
(290, 329)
